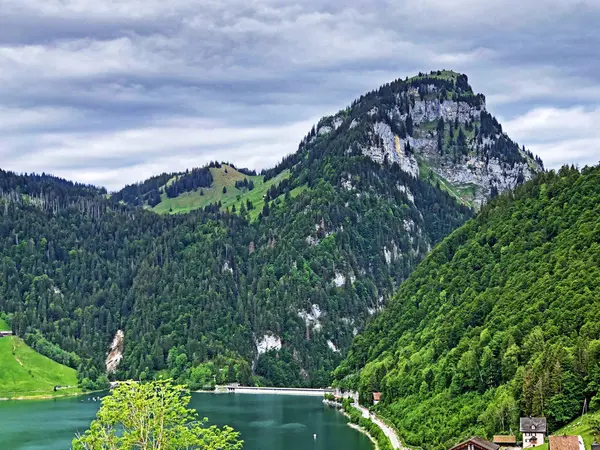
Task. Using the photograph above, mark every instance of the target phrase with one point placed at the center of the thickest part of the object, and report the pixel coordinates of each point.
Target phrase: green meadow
(224, 177)
(26, 373)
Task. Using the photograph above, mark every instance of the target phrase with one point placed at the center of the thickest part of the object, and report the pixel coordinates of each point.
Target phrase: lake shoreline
(297, 392)
(363, 431)
(304, 392)
(266, 422)
(40, 397)
(46, 396)
(338, 407)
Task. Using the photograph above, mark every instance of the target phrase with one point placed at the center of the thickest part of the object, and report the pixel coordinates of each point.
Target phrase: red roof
(564, 442)
(376, 396)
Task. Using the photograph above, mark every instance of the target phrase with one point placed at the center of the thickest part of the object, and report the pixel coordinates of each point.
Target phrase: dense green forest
(500, 320)
(268, 283)
(196, 293)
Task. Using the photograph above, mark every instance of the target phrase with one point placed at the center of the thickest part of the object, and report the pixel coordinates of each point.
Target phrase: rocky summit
(434, 126)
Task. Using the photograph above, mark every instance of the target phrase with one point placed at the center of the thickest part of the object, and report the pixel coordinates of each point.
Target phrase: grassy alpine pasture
(224, 177)
(24, 373)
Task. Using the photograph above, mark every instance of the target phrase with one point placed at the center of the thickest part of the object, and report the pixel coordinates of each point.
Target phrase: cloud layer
(111, 92)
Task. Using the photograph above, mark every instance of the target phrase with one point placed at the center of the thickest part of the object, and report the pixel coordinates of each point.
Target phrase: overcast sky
(112, 92)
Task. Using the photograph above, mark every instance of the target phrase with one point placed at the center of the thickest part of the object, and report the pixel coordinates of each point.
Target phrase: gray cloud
(112, 92)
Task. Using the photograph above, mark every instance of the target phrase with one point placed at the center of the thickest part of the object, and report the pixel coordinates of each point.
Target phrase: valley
(409, 249)
(255, 278)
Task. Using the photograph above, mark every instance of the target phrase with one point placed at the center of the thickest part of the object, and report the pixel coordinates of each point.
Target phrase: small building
(5, 333)
(376, 397)
(505, 440)
(476, 443)
(566, 443)
(534, 431)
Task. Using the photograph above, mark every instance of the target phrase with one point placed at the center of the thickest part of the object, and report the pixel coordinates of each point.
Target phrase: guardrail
(279, 390)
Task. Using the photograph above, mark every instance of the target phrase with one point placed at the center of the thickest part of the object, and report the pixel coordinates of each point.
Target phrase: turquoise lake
(267, 422)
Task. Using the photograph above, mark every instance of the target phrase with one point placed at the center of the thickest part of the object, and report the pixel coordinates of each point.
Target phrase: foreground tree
(153, 416)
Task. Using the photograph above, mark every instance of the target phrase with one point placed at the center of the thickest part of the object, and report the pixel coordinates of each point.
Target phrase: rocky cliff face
(435, 127)
(115, 352)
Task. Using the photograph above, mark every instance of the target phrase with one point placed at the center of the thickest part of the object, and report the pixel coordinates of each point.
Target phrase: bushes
(40, 344)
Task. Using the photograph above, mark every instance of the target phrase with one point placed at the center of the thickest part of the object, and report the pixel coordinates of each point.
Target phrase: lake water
(267, 422)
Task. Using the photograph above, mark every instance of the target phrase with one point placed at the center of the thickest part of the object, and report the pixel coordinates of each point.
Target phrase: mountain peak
(435, 126)
(442, 74)
(432, 126)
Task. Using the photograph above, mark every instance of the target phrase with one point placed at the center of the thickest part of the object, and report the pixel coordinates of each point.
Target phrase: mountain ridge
(268, 283)
(431, 125)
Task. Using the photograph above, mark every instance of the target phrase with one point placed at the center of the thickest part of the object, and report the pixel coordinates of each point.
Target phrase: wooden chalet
(476, 443)
(505, 440)
(534, 431)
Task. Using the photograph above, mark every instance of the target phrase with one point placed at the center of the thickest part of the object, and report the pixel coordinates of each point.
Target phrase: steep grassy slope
(223, 177)
(580, 426)
(463, 194)
(25, 373)
(4, 326)
(500, 320)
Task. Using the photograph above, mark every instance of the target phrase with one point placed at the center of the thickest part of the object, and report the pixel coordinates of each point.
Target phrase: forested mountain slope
(272, 278)
(283, 295)
(500, 319)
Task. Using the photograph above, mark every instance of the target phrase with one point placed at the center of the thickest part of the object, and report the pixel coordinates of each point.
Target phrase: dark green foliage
(440, 135)
(409, 126)
(501, 319)
(91, 378)
(41, 345)
(195, 293)
(39, 186)
(244, 184)
(189, 181)
(140, 193)
(211, 284)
